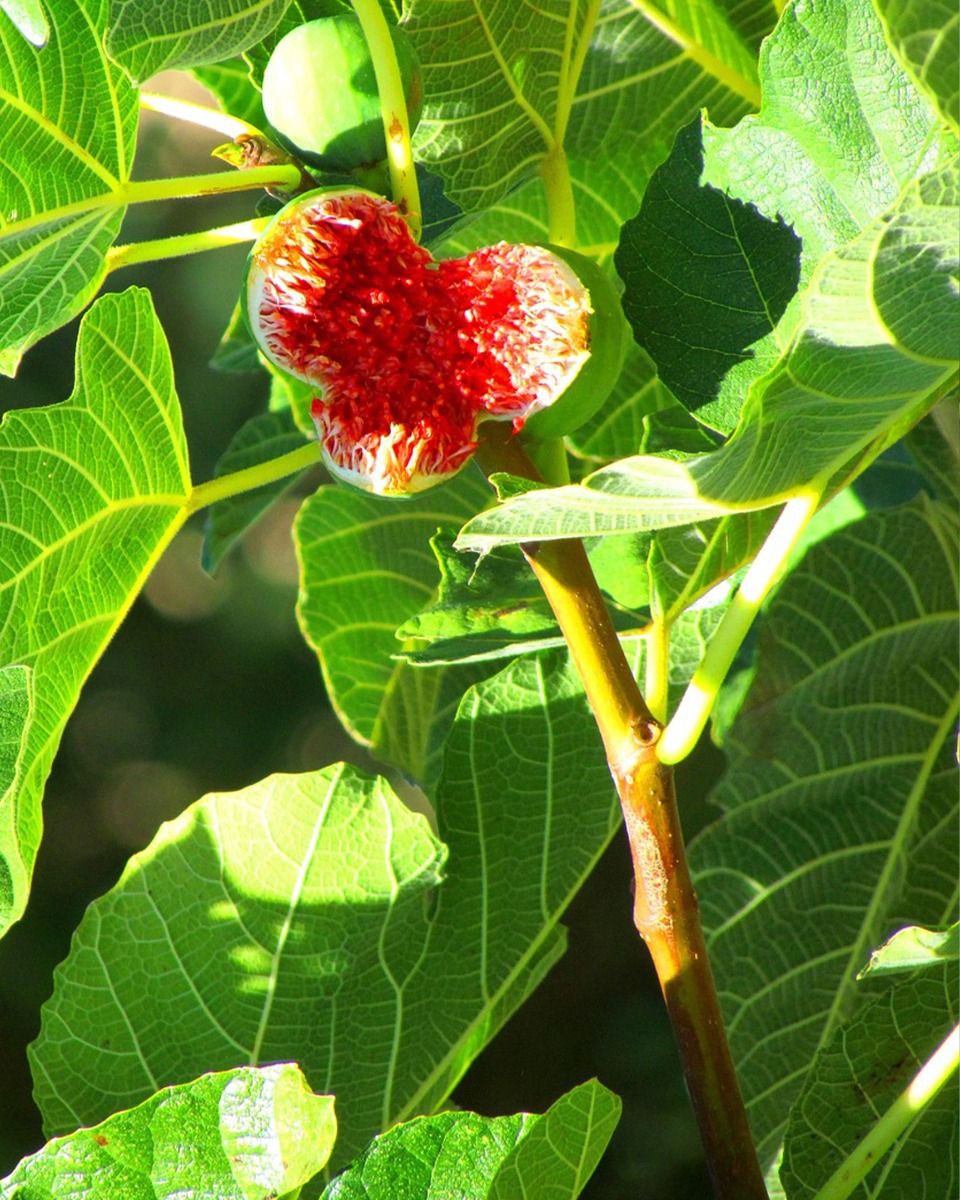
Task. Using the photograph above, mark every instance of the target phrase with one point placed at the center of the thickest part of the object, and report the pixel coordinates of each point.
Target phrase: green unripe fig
(320, 93)
(609, 339)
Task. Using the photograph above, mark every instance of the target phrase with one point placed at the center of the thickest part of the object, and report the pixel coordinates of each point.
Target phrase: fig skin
(609, 339)
(320, 93)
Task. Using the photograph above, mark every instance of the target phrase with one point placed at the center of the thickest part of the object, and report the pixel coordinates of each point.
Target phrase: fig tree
(320, 93)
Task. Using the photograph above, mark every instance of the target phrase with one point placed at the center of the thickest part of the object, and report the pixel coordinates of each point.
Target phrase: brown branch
(666, 911)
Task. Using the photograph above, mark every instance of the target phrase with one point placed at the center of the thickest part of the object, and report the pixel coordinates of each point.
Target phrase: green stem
(187, 243)
(197, 114)
(393, 105)
(656, 668)
(222, 488)
(283, 176)
(666, 911)
(561, 209)
(695, 707)
(932, 1076)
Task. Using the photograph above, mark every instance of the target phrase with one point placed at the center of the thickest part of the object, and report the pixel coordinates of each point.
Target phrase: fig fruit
(610, 336)
(408, 354)
(320, 93)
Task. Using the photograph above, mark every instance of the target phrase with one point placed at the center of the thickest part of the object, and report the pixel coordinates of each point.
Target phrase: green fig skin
(320, 93)
(609, 339)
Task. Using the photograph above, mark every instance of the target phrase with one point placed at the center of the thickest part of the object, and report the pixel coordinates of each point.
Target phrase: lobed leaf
(302, 916)
(487, 1158)
(69, 121)
(856, 1078)
(520, 92)
(113, 463)
(248, 1134)
(840, 795)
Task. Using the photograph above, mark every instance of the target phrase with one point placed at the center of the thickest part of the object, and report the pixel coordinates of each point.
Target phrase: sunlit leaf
(487, 1158)
(878, 340)
(28, 16)
(841, 795)
(303, 916)
(912, 948)
(113, 462)
(249, 1134)
(69, 121)
(500, 85)
(924, 35)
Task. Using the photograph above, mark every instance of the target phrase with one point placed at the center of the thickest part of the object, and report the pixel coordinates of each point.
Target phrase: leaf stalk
(396, 120)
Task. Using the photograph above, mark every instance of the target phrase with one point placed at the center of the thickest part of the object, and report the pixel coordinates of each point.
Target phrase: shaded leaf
(113, 461)
(855, 1079)
(248, 1134)
(366, 566)
(934, 445)
(707, 281)
(841, 795)
(912, 948)
(69, 121)
(487, 1158)
(302, 916)
(264, 437)
(146, 37)
(230, 82)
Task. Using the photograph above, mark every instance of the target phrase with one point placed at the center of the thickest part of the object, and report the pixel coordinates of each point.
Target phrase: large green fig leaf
(112, 462)
(303, 917)
(487, 1158)
(608, 83)
(69, 121)
(840, 795)
(366, 566)
(146, 37)
(248, 1134)
(857, 1076)
(877, 343)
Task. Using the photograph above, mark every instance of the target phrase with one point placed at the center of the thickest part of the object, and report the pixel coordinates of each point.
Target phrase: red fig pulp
(407, 353)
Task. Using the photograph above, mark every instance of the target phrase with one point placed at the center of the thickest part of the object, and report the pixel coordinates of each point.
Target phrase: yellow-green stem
(205, 494)
(186, 243)
(393, 104)
(196, 114)
(656, 668)
(561, 210)
(282, 176)
(698, 700)
(932, 1076)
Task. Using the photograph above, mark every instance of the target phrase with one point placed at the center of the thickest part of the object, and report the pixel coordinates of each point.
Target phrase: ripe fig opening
(408, 354)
